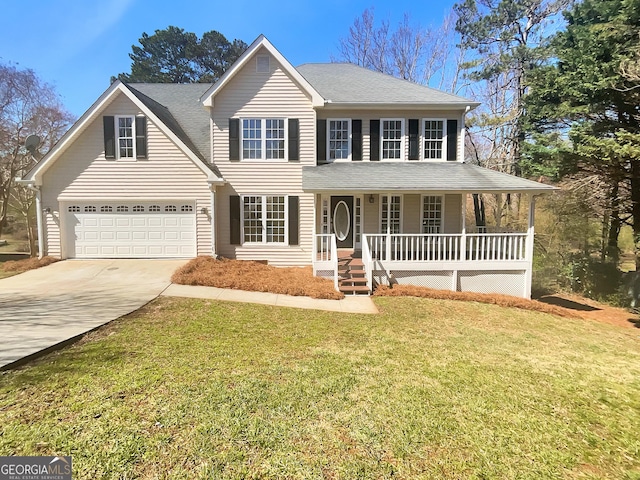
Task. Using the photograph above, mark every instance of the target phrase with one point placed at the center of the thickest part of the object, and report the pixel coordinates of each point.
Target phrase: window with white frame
(263, 138)
(390, 214)
(432, 214)
(433, 133)
(125, 133)
(264, 219)
(339, 139)
(391, 134)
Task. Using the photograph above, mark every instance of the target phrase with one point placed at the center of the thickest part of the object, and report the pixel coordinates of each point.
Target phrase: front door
(342, 221)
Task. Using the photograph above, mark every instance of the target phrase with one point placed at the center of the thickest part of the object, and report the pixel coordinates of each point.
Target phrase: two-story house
(354, 172)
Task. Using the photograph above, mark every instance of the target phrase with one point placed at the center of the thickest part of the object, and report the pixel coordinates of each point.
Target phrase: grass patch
(188, 389)
(14, 267)
(493, 298)
(255, 277)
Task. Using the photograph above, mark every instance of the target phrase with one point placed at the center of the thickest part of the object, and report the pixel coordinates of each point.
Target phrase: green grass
(426, 389)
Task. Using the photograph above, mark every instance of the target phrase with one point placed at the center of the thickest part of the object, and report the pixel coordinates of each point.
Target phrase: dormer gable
(259, 56)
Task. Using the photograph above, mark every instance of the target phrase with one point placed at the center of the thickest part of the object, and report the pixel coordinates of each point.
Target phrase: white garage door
(131, 230)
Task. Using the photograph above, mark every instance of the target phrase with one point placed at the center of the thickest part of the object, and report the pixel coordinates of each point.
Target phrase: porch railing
(446, 247)
(326, 255)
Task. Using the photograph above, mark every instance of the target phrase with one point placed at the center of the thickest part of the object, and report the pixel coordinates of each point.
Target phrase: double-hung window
(338, 139)
(432, 214)
(392, 138)
(264, 219)
(263, 138)
(125, 137)
(434, 133)
(390, 214)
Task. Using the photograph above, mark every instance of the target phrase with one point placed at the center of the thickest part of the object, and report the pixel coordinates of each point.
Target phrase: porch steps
(352, 278)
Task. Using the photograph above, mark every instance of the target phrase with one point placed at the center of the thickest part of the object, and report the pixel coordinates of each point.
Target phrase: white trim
(116, 138)
(207, 98)
(93, 113)
(350, 140)
(442, 213)
(264, 241)
(390, 194)
(403, 144)
(443, 158)
(263, 140)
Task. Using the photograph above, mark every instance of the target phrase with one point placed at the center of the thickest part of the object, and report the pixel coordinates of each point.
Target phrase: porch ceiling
(414, 176)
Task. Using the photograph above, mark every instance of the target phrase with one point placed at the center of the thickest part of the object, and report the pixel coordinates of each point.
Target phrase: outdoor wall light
(46, 210)
(371, 199)
(204, 210)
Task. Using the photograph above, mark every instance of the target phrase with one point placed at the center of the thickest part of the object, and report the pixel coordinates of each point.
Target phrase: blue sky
(77, 45)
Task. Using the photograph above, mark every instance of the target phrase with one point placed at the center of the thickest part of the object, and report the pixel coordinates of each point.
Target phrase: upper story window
(338, 139)
(391, 132)
(125, 137)
(263, 138)
(434, 132)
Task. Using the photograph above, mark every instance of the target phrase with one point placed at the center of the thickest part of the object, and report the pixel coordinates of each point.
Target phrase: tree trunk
(478, 209)
(612, 251)
(635, 209)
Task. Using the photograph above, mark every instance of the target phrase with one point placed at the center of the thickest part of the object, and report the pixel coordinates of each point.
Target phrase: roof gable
(261, 42)
(157, 113)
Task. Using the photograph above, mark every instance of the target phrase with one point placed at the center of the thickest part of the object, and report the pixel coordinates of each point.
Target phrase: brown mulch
(20, 266)
(562, 305)
(495, 299)
(255, 277)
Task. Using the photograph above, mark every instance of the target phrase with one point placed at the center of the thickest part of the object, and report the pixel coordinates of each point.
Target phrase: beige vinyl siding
(372, 215)
(260, 95)
(411, 214)
(367, 115)
(452, 213)
(52, 246)
(83, 173)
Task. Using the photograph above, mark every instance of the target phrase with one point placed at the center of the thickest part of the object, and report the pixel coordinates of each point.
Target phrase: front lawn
(427, 389)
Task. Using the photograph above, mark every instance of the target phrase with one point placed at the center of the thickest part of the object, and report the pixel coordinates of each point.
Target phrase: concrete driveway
(43, 307)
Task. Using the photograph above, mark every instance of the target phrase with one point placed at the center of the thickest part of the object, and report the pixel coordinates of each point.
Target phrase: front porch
(478, 262)
(407, 224)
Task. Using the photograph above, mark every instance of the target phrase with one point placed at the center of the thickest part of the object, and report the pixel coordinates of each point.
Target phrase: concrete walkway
(350, 304)
(43, 308)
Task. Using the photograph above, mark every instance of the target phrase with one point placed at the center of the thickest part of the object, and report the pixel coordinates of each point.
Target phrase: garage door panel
(108, 230)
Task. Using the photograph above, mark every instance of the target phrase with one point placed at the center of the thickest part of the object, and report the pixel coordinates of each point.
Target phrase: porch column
(529, 247)
(463, 236)
(212, 219)
(388, 249)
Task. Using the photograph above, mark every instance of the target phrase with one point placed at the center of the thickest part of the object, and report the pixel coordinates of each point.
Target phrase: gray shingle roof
(179, 108)
(351, 84)
(416, 176)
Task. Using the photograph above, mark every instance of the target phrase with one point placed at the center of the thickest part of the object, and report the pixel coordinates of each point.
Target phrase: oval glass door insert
(341, 221)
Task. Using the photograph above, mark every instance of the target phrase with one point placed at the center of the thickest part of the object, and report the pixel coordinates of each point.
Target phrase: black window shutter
(452, 140)
(374, 135)
(414, 150)
(234, 139)
(356, 140)
(234, 220)
(294, 208)
(109, 137)
(141, 137)
(321, 141)
(294, 144)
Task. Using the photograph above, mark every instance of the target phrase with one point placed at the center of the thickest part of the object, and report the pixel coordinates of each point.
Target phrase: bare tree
(28, 106)
(410, 51)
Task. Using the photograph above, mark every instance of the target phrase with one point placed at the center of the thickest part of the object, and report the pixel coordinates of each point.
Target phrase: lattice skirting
(480, 281)
(325, 274)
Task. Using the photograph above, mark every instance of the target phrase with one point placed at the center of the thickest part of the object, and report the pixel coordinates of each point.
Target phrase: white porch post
(388, 247)
(463, 236)
(212, 219)
(529, 247)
